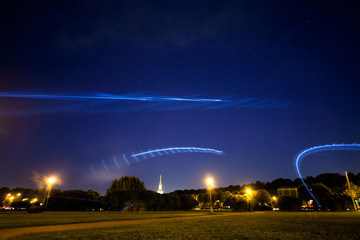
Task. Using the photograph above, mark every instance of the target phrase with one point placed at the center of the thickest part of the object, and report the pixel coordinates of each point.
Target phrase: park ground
(180, 225)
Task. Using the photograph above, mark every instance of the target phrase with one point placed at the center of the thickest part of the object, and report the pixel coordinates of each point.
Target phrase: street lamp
(8, 199)
(210, 182)
(274, 201)
(249, 192)
(50, 181)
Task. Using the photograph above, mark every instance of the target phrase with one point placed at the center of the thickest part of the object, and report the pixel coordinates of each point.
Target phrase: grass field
(255, 225)
(23, 219)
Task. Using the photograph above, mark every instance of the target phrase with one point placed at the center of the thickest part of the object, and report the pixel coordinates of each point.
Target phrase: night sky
(286, 74)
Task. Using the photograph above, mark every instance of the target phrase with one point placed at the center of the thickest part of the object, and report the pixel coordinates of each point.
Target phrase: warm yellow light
(51, 180)
(12, 197)
(248, 191)
(19, 194)
(274, 198)
(210, 181)
(9, 194)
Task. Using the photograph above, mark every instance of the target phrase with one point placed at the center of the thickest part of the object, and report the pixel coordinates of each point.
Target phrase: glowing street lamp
(210, 182)
(274, 201)
(8, 199)
(50, 181)
(249, 192)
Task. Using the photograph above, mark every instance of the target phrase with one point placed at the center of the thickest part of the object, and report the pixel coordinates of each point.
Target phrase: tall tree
(126, 183)
(125, 191)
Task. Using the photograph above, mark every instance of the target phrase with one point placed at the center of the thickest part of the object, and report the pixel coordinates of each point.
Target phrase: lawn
(23, 219)
(254, 225)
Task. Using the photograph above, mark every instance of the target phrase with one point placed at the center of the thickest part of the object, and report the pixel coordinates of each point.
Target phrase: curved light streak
(333, 147)
(157, 152)
(162, 151)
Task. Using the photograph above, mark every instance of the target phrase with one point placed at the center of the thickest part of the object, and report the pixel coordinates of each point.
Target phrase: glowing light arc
(333, 147)
(157, 152)
(166, 151)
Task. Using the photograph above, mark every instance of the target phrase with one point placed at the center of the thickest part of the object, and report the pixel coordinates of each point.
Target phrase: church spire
(160, 187)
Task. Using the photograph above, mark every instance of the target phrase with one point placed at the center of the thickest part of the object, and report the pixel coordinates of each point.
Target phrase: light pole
(210, 182)
(249, 192)
(50, 182)
(274, 201)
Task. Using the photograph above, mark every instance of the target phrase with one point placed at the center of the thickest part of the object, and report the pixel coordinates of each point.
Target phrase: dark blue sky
(303, 55)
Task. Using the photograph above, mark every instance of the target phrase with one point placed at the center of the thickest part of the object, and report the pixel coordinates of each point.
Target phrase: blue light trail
(162, 151)
(111, 103)
(157, 153)
(334, 147)
(125, 159)
(104, 164)
(105, 96)
(116, 163)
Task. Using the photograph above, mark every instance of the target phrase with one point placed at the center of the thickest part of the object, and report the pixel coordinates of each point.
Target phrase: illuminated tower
(160, 187)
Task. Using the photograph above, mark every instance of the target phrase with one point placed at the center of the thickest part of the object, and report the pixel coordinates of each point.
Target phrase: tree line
(129, 194)
(330, 189)
(70, 200)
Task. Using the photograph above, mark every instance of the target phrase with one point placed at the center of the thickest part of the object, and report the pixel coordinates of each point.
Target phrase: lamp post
(274, 202)
(210, 182)
(18, 196)
(50, 182)
(8, 199)
(249, 192)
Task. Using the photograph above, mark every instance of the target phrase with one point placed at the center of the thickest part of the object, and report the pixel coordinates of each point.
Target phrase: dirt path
(7, 233)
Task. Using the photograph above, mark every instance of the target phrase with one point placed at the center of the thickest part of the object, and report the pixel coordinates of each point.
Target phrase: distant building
(160, 187)
(291, 192)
